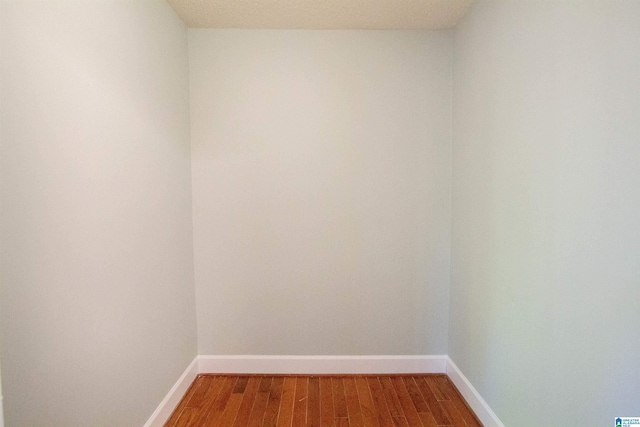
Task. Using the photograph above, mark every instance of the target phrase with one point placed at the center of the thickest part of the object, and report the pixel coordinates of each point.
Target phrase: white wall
(97, 277)
(321, 191)
(1, 98)
(546, 239)
(1, 405)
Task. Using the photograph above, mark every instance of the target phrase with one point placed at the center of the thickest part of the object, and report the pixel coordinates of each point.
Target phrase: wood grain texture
(380, 404)
(369, 412)
(406, 404)
(353, 403)
(249, 395)
(273, 404)
(435, 408)
(327, 414)
(285, 418)
(313, 403)
(300, 402)
(338, 400)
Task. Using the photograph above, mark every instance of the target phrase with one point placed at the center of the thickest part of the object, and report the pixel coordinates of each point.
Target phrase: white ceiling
(321, 14)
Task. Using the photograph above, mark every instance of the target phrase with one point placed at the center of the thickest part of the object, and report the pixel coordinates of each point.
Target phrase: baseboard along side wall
(171, 400)
(482, 410)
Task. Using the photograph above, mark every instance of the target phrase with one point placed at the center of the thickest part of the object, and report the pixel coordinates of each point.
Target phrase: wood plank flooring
(292, 401)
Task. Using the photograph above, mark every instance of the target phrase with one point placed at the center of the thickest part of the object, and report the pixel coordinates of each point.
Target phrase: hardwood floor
(361, 400)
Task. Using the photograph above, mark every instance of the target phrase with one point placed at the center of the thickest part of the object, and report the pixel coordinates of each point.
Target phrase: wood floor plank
(327, 413)
(313, 403)
(214, 413)
(231, 410)
(452, 392)
(400, 422)
(249, 395)
(183, 403)
(203, 383)
(353, 402)
(187, 417)
(367, 406)
(382, 411)
(212, 386)
(233, 405)
(342, 422)
(408, 408)
(325, 401)
(434, 406)
(416, 396)
(300, 403)
(470, 418)
(453, 414)
(285, 417)
(427, 419)
(421, 405)
(339, 400)
(241, 385)
(273, 404)
(391, 398)
(260, 403)
(434, 385)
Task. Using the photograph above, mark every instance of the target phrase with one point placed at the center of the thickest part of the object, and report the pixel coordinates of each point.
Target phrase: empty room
(384, 202)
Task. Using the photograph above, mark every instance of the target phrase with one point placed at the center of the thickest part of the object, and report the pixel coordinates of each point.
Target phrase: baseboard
(171, 400)
(322, 364)
(487, 417)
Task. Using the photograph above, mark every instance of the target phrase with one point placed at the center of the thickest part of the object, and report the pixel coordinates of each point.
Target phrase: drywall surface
(321, 191)
(98, 315)
(1, 406)
(546, 239)
(1, 97)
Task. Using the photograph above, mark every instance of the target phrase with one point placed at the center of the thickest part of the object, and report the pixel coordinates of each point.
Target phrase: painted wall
(546, 240)
(1, 98)
(98, 317)
(321, 191)
(1, 406)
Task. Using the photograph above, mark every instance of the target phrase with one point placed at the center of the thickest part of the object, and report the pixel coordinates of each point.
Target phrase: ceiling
(321, 14)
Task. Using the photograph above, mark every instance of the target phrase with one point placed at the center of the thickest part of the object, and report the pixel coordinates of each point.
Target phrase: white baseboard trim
(487, 417)
(322, 364)
(171, 400)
